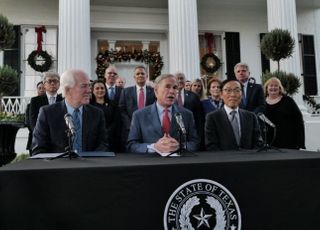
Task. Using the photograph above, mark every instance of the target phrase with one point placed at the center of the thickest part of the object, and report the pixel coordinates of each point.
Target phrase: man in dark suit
(113, 91)
(154, 129)
(191, 101)
(253, 97)
(50, 135)
(134, 98)
(113, 96)
(232, 128)
(51, 83)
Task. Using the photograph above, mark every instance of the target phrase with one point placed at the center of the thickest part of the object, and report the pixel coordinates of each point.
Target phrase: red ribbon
(209, 37)
(39, 30)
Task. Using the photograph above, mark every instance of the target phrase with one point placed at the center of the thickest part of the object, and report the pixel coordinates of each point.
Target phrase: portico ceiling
(206, 3)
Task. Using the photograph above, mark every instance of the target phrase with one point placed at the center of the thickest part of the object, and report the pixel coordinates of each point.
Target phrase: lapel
(173, 124)
(249, 91)
(149, 98)
(243, 125)
(134, 96)
(153, 120)
(85, 129)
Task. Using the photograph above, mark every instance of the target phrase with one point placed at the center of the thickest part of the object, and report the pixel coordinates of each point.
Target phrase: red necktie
(141, 99)
(166, 122)
(180, 99)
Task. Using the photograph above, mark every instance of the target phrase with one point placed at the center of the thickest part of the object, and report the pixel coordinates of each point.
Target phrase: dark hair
(229, 80)
(39, 83)
(93, 97)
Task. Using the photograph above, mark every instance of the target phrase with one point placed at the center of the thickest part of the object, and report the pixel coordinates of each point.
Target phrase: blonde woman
(285, 114)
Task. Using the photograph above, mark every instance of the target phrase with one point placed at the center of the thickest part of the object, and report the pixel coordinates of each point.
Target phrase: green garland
(33, 59)
(216, 64)
(110, 57)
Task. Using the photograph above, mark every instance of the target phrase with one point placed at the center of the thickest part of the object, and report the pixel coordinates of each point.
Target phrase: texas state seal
(202, 204)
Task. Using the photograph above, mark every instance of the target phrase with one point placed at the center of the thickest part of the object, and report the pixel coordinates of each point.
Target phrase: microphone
(266, 120)
(179, 120)
(69, 122)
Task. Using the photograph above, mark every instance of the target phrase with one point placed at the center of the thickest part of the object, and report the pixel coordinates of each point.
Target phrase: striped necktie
(77, 142)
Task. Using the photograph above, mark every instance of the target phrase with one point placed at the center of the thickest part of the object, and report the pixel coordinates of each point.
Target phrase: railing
(14, 105)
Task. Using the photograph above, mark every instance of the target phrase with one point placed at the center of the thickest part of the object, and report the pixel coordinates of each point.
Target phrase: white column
(282, 14)
(74, 35)
(183, 38)
(317, 45)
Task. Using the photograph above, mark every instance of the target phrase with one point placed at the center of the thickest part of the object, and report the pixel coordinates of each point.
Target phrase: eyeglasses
(112, 73)
(49, 81)
(229, 90)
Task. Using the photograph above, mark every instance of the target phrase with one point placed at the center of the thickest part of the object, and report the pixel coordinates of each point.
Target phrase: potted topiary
(289, 81)
(277, 44)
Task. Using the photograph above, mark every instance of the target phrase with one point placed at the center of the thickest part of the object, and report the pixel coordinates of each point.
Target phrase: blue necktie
(77, 142)
(111, 96)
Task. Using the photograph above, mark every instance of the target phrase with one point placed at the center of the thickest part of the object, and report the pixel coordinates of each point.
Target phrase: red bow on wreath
(209, 37)
(39, 30)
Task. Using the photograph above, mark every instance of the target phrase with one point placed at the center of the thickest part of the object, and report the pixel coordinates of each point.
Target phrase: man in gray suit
(134, 98)
(154, 128)
(50, 135)
(232, 128)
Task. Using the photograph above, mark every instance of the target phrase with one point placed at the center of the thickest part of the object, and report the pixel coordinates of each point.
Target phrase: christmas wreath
(112, 56)
(45, 61)
(210, 63)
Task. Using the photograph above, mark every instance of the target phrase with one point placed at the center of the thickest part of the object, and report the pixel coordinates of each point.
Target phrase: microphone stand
(69, 148)
(182, 147)
(266, 146)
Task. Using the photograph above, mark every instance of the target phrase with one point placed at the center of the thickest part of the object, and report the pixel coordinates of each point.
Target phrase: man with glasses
(50, 134)
(232, 128)
(113, 96)
(114, 92)
(51, 83)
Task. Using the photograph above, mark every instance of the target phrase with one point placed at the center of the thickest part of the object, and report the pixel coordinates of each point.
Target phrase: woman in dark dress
(100, 100)
(214, 101)
(285, 114)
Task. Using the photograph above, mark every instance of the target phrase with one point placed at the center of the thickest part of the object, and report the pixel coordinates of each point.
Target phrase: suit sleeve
(135, 142)
(33, 113)
(103, 144)
(211, 133)
(40, 140)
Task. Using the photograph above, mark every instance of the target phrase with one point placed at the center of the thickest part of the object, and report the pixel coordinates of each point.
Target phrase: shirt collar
(70, 109)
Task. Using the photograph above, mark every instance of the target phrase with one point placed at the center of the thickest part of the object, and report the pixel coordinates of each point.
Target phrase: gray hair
(241, 64)
(68, 79)
(162, 77)
(50, 74)
(180, 74)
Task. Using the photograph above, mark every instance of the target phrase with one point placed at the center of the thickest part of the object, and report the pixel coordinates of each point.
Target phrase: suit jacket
(50, 135)
(116, 98)
(146, 129)
(255, 100)
(116, 126)
(128, 103)
(219, 133)
(35, 104)
(208, 107)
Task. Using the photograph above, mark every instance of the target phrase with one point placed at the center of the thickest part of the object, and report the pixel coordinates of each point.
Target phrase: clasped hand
(166, 144)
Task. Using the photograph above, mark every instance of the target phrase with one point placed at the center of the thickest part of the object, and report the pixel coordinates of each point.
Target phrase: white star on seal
(233, 227)
(202, 218)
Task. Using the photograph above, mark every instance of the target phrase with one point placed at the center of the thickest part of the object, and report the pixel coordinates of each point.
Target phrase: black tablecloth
(274, 190)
